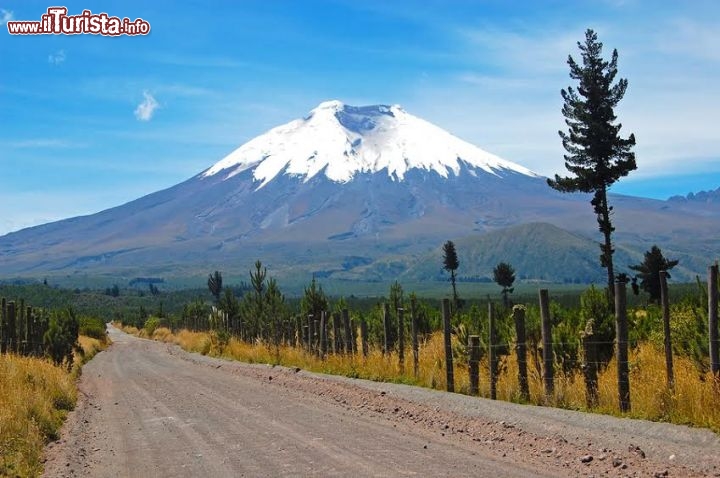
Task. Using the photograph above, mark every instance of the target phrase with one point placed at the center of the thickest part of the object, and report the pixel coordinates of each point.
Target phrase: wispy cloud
(57, 57)
(176, 89)
(6, 16)
(41, 143)
(197, 61)
(529, 51)
(693, 39)
(146, 109)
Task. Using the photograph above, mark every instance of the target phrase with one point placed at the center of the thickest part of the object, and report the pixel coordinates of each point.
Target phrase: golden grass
(693, 402)
(34, 400)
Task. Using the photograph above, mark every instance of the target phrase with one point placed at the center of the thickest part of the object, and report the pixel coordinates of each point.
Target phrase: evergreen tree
(596, 154)
(314, 300)
(61, 337)
(276, 311)
(396, 297)
(396, 301)
(231, 307)
(254, 304)
(504, 276)
(649, 272)
(215, 285)
(450, 264)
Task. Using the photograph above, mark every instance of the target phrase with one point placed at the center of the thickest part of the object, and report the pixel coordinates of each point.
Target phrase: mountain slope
(358, 192)
(538, 252)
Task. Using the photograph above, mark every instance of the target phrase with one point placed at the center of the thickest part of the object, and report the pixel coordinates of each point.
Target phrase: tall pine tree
(450, 264)
(215, 285)
(597, 155)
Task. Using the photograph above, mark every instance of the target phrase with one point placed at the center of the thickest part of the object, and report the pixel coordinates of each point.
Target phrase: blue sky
(90, 122)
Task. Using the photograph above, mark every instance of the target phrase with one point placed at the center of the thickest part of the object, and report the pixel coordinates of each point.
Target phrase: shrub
(61, 337)
(594, 306)
(150, 325)
(93, 327)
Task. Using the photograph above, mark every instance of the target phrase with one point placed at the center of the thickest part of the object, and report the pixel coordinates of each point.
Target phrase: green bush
(61, 336)
(151, 325)
(594, 306)
(93, 327)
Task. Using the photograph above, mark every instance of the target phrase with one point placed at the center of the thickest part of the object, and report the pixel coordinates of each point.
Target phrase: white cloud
(506, 97)
(146, 109)
(57, 57)
(6, 16)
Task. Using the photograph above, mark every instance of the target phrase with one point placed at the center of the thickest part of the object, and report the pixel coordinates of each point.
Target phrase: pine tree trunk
(603, 212)
(455, 296)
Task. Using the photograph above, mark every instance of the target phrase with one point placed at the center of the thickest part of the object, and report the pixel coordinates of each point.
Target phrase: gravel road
(151, 409)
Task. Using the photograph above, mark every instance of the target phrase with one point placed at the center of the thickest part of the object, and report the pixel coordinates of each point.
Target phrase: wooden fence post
(713, 320)
(401, 338)
(316, 334)
(386, 329)
(521, 350)
(665, 300)
(548, 361)
(364, 336)
(3, 327)
(621, 329)
(299, 342)
(310, 333)
(20, 328)
(40, 327)
(492, 352)
(414, 332)
(337, 343)
(28, 331)
(348, 331)
(448, 345)
(590, 367)
(474, 346)
(11, 327)
(353, 336)
(323, 334)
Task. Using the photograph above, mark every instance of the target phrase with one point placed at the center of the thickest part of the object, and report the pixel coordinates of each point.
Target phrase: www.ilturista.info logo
(57, 22)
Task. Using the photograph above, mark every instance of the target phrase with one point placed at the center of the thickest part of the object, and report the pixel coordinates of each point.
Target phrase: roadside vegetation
(693, 403)
(38, 392)
(260, 328)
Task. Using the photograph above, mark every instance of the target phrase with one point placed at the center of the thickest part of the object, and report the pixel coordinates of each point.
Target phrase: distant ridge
(711, 196)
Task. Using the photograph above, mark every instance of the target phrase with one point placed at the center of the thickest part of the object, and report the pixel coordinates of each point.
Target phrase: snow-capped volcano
(341, 141)
(349, 192)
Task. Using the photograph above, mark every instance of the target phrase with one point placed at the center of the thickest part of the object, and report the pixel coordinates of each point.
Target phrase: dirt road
(150, 409)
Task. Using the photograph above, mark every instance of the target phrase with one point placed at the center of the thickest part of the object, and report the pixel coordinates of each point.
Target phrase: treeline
(263, 315)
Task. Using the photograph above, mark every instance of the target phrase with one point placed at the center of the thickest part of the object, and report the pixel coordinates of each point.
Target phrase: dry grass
(693, 403)
(35, 398)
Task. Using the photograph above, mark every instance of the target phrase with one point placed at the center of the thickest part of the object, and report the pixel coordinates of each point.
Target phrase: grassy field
(693, 403)
(36, 396)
